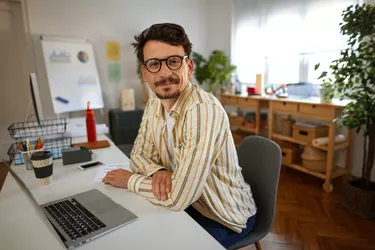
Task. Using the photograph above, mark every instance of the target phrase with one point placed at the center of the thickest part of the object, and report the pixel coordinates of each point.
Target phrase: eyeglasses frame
(165, 59)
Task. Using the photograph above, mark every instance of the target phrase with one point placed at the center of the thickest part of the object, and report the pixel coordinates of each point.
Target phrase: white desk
(21, 227)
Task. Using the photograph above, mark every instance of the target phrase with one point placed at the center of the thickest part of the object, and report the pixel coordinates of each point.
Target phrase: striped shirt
(207, 174)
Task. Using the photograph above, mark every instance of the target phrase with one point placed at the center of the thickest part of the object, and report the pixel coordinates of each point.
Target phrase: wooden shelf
(312, 109)
(289, 139)
(336, 172)
(247, 129)
(299, 114)
(338, 146)
(243, 129)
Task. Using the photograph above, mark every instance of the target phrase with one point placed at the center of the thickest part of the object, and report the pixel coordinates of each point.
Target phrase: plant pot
(324, 95)
(359, 201)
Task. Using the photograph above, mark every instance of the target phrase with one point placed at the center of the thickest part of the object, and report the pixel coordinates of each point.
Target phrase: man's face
(166, 83)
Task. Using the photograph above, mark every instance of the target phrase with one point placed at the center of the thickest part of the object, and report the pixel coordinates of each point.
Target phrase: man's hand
(118, 178)
(161, 184)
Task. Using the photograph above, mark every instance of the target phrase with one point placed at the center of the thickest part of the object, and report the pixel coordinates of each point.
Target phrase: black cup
(43, 166)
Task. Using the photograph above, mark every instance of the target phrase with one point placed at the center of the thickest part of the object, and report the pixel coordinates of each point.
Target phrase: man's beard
(167, 94)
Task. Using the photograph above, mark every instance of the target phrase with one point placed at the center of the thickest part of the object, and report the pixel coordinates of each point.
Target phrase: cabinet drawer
(285, 106)
(246, 102)
(229, 100)
(316, 110)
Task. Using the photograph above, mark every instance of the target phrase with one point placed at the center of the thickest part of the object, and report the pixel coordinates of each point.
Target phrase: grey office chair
(260, 159)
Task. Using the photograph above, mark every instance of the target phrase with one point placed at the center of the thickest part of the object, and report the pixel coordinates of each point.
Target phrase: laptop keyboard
(74, 218)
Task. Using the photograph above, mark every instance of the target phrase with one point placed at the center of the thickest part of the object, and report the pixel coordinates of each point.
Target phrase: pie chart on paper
(83, 56)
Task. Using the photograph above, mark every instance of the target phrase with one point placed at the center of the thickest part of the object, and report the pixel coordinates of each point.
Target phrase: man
(184, 156)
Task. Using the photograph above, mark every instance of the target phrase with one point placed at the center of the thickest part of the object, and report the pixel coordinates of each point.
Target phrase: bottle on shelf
(237, 86)
(90, 124)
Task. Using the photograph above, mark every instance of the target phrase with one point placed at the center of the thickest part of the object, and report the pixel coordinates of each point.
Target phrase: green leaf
(352, 74)
(323, 74)
(316, 66)
(215, 71)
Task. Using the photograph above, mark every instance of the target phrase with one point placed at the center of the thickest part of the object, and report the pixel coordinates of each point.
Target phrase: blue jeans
(225, 236)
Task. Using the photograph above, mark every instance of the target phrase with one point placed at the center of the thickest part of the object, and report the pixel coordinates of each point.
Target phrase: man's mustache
(170, 79)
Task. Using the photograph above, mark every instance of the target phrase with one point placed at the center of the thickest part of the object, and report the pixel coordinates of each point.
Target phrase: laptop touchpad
(102, 206)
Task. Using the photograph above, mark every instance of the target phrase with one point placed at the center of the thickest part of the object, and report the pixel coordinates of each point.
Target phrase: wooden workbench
(303, 108)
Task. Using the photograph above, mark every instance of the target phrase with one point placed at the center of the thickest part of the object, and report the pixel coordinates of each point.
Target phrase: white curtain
(284, 39)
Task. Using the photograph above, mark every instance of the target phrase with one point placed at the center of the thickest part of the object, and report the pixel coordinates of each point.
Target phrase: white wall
(14, 68)
(118, 20)
(220, 21)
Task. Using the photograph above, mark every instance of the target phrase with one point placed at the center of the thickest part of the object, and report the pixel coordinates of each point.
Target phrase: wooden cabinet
(229, 100)
(303, 108)
(317, 110)
(285, 107)
(246, 102)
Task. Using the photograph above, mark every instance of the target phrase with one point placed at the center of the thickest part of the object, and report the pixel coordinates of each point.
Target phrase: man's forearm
(142, 185)
(142, 165)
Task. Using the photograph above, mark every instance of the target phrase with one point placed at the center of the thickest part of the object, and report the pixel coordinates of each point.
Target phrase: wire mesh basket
(55, 145)
(34, 129)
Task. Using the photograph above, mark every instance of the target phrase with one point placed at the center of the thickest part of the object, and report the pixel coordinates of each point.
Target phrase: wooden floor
(3, 174)
(309, 219)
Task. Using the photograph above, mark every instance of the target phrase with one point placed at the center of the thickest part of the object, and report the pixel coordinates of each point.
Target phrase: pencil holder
(26, 155)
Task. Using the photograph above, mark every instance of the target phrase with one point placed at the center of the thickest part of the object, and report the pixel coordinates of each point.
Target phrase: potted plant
(326, 90)
(215, 71)
(353, 78)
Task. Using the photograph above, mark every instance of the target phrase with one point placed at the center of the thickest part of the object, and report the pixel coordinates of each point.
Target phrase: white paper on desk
(76, 127)
(103, 170)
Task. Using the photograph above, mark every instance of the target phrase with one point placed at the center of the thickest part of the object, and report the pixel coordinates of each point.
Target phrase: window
(251, 61)
(325, 59)
(283, 69)
(284, 39)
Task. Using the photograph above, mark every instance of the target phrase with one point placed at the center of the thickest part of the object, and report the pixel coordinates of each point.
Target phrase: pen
(29, 147)
(38, 142)
(20, 147)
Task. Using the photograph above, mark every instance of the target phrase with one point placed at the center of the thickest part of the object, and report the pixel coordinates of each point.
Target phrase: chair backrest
(124, 125)
(260, 159)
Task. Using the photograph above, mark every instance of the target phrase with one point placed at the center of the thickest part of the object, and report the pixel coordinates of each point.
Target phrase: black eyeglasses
(173, 62)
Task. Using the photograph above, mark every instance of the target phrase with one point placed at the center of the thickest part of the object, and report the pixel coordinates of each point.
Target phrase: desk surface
(312, 100)
(21, 227)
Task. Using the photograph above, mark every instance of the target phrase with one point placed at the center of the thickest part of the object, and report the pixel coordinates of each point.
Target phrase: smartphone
(90, 165)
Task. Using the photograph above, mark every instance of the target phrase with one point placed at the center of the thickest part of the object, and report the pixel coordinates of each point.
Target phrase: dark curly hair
(170, 33)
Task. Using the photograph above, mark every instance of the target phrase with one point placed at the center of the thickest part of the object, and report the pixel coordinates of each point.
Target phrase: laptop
(82, 217)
